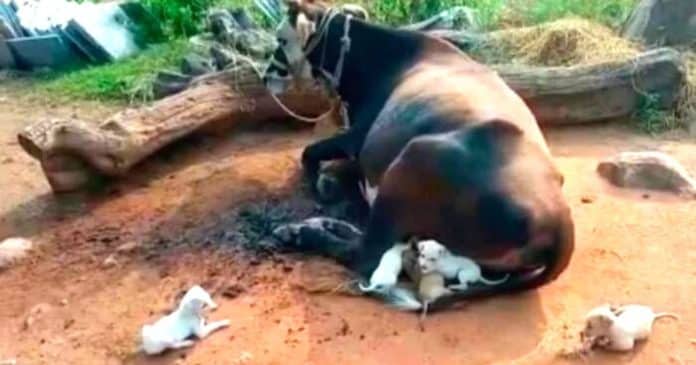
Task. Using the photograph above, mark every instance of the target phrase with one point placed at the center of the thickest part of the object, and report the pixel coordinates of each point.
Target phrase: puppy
(618, 329)
(173, 331)
(434, 257)
(387, 272)
(431, 287)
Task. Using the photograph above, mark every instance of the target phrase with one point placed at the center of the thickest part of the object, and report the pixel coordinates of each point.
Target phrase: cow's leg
(340, 181)
(379, 237)
(333, 148)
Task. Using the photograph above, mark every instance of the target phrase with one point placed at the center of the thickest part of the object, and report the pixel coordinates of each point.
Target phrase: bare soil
(178, 213)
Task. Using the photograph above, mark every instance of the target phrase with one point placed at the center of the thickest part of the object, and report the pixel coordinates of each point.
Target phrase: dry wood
(73, 152)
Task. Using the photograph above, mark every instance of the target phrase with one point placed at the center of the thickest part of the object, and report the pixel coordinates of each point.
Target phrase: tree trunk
(72, 152)
(583, 94)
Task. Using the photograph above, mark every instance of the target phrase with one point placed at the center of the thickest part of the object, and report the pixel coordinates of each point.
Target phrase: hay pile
(576, 41)
(565, 42)
(685, 112)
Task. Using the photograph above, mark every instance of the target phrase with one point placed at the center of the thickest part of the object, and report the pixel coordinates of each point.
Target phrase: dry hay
(685, 112)
(565, 42)
(576, 41)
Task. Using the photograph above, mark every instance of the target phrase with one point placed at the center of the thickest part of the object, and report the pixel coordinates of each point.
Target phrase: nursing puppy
(387, 273)
(618, 329)
(434, 257)
(174, 330)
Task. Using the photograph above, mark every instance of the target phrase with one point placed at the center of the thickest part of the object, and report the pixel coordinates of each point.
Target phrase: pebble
(110, 261)
(128, 247)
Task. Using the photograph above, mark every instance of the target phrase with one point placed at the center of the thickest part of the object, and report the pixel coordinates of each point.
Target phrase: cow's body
(448, 151)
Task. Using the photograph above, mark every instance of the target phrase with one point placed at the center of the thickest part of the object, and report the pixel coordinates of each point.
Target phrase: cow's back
(443, 92)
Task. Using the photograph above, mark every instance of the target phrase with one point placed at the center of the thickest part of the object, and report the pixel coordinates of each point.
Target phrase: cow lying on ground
(446, 149)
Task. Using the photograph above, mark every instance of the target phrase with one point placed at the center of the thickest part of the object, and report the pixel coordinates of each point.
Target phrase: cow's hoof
(287, 233)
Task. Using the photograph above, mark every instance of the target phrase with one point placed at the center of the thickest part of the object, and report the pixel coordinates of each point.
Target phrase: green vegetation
(651, 117)
(128, 79)
(608, 12)
(493, 14)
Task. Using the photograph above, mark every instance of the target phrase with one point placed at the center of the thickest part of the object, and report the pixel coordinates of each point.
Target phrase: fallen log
(582, 94)
(73, 152)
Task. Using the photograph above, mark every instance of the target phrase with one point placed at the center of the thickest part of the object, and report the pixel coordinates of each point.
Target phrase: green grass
(125, 80)
(608, 12)
(399, 12)
(492, 14)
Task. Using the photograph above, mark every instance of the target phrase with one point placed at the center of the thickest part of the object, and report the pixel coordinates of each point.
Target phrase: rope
(345, 48)
(282, 106)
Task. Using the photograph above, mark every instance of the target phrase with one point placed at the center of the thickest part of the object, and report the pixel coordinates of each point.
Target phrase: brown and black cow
(446, 149)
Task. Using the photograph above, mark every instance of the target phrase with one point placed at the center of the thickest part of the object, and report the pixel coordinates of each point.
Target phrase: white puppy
(174, 330)
(434, 257)
(618, 329)
(387, 272)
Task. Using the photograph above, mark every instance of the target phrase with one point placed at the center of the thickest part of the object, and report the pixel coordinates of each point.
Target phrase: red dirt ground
(63, 306)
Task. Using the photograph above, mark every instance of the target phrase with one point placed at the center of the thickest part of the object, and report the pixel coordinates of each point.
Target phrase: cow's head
(298, 36)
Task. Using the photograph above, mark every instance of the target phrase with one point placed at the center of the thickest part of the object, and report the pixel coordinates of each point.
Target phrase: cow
(446, 149)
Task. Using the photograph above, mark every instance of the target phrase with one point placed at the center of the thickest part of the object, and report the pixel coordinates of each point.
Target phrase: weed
(608, 12)
(651, 118)
(178, 17)
(121, 80)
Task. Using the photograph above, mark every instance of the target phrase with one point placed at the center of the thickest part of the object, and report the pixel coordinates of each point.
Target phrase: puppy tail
(367, 289)
(402, 299)
(495, 282)
(667, 314)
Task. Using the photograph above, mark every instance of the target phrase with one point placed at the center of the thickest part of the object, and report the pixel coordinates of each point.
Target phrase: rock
(662, 22)
(12, 250)
(196, 65)
(222, 24)
(64, 302)
(169, 83)
(648, 170)
(34, 313)
(587, 199)
(110, 261)
(242, 18)
(256, 44)
(128, 247)
(458, 17)
(222, 57)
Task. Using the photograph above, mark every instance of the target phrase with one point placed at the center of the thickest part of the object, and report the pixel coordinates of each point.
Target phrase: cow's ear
(355, 10)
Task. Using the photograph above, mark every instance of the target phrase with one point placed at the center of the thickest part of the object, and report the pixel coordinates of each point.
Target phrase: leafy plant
(609, 12)
(651, 118)
(122, 80)
(179, 17)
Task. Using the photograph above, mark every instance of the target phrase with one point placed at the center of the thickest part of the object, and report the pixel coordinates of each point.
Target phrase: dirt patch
(180, 215)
